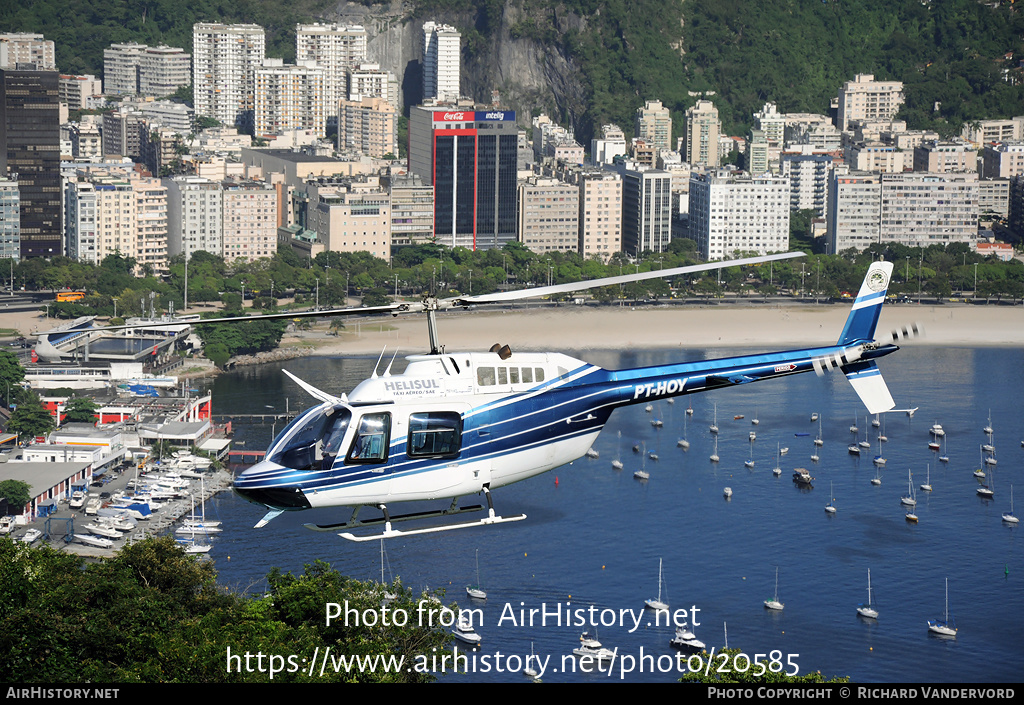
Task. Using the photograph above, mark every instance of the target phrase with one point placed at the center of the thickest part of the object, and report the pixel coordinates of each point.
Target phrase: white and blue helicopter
(459, 424)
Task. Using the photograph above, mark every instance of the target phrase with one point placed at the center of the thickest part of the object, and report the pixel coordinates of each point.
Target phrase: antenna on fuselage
(387, 372)
(379, 358)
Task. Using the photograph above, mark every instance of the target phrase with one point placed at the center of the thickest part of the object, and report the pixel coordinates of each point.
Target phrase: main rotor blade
(610, 281)
(322, 313)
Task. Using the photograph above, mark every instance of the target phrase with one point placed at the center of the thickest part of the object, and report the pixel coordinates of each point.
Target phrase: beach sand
(581, 328)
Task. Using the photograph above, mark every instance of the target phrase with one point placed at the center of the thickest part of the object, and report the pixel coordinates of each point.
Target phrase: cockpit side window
(297, 446)
(436, 435)
(373, 435)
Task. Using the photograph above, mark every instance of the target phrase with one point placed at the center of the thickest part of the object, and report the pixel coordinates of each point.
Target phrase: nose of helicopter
(271, 485)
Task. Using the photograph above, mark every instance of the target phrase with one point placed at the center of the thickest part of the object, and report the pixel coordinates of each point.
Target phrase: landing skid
(387, 521)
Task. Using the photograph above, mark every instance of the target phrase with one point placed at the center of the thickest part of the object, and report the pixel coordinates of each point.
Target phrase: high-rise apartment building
(653, 124)
(412, 210)
(611, 144)
(250, 220)
(808, 180)
(988, 131)
(121, 68)
(915, 209)
(351, 217)
(195, 216)
(30, 148)
(864, 98)
(442, 62)
(945, 156)
(702, 130)
(367, 126)
(738, 213)
(1003, 160)
(338, 50)
(10, 220)
(163, 70)
(23, 48)
(290, 97)
(470, 158)
(600, 214)
(549, 211)
(224, 63)
(75, 91)
(370, 81)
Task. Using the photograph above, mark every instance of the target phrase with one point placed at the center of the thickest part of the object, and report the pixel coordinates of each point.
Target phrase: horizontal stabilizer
(870, 387)
(268, 517)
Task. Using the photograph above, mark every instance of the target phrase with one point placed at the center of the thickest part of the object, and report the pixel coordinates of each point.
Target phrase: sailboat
(943, 458)
(714, 424)
(909, 499)
(1009, 517)
(189, 545)
(988, 491)
(875, 423)
(943, 627)
(755, 421)
(475, 591)
(656, 603)
(876, 480)
(830, 508)
(853, 428)
(988, 427)
(911, 515)
(868, 610)
(819, 441)
(683, 443)
(878, 459)
(865, 443)
(882, 438)
(749, 464)
(714, 456)
(927, 486)
(642, 473)
(777, 470)
(774, 604)
(528, 670)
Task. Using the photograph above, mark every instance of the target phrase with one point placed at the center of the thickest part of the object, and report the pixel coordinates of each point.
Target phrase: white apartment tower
(164, 69)
(338, 50)
(10, 219)
(121, 68)
(195, 212)
(290, 98)
(702, 130)
(653, 124)
(224, 63)
(23, 48)
(864, 98)
(441, 62)
(731, 213)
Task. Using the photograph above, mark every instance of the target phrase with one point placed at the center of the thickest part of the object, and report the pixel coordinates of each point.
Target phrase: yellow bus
(70, 296)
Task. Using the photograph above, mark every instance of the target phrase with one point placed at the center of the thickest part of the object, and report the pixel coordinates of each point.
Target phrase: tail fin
(868, 306)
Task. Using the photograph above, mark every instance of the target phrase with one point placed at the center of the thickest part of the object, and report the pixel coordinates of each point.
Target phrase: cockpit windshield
(313, 439)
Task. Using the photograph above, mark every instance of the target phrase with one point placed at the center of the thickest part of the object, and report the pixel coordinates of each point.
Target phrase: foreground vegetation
(152, 614)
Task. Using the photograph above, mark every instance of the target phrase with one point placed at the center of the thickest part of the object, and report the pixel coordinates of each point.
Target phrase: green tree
(12, 374)
(16, 492)
(81, 410)
(30, 419)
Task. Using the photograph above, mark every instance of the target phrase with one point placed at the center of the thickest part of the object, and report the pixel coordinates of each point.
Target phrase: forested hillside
(959, 59)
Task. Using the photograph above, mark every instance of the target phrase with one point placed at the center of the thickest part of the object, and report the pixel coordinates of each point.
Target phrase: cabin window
(372, 437)
(485, 376)
(513, 375)
(435, 434)
(528, 375)
(539, 373)
(502, 375)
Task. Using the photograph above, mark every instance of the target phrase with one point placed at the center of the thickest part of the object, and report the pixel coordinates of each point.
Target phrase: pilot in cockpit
(332, 438)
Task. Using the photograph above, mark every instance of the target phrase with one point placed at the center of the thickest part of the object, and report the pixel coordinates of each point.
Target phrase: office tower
(10, 220)
(337, 49)
(441, 62)
(224, 63)
(702, 130)
(290, 98)
(23, 48)
(30, 148)
(367, 126)
(734, 214)
(469, 157)
(864, 98)
(653, 124)
(163, 70)
(646, 209)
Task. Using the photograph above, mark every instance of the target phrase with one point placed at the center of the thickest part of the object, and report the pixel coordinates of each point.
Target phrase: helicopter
(456, 424)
